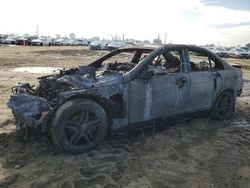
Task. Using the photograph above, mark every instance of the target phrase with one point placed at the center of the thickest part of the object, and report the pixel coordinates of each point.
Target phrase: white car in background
(115, 45)
(247, 50)
(60, 42)
(222, 52)
(9, 41)
(41, 42)
(97, 45)
(73, 43)
(83, 42)
(239, 53)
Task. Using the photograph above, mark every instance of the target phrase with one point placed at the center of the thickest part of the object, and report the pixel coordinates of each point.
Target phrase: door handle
(217, 75)
(180, 81)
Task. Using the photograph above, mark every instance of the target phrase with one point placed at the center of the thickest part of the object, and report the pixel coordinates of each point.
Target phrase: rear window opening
(200, 61)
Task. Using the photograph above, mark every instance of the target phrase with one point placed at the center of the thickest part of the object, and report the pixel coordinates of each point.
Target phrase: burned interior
(125, 87)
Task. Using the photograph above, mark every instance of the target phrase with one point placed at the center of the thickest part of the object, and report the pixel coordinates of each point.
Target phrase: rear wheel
(79, 126)
(224, 106)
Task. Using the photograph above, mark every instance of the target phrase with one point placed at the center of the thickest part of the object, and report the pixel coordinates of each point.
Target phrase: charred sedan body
(124, 89)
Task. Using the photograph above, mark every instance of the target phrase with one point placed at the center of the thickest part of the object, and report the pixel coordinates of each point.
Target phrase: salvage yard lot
(194, 153)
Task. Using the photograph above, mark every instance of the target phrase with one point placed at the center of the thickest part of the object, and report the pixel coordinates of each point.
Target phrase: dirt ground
(195, 153)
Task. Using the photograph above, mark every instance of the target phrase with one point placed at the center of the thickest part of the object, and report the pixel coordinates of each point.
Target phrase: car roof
(131, 48)
(152, 47)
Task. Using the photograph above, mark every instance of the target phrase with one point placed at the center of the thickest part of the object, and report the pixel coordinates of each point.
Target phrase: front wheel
(79, 126)
(223, 107)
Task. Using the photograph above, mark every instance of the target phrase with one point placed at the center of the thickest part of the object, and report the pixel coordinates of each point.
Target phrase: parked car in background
(60, 42)
(78, 107)
(9, 41)
(84, 42)
(3, 37)
(1, 40)
(23, 41)
(211, 48)
(97, 45)
(73, 43)
(247, 50)
(222, 52)
(238, 53)
(132, 43)
(115, 45)
(31, 38)
(41, 42)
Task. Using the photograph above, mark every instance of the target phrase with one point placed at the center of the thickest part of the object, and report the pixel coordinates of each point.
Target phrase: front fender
(109, 97)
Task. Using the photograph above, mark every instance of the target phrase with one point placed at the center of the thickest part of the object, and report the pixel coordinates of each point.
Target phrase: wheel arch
(108, 105)
(221, 92)
(215, 111)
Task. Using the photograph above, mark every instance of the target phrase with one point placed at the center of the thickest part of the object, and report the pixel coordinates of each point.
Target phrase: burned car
(124, 89)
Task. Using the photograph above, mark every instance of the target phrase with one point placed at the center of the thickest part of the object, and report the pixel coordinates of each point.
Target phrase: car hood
(88, 81)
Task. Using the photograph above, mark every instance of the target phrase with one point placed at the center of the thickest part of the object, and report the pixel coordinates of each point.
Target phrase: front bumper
(29, 111)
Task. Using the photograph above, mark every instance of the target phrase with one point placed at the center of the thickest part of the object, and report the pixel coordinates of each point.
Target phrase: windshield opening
(121, 61)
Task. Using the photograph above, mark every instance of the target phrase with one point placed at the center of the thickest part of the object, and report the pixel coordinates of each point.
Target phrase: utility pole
(37, 33)
(165, 39)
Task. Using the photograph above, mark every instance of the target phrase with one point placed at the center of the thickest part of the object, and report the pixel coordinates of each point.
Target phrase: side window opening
(167, 62)
(173, 62)
(215, 65)
(201, 62)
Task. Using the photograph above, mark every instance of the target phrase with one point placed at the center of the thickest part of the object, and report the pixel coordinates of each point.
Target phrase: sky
(222, 22)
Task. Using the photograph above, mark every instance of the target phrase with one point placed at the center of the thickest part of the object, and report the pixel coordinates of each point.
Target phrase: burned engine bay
(84, 77)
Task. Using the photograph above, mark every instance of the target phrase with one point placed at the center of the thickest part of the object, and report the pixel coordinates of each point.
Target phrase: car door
(204, 81)
(163, 91)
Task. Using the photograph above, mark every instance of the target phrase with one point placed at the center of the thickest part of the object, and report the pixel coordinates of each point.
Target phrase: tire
(223, 107)
(79, 126)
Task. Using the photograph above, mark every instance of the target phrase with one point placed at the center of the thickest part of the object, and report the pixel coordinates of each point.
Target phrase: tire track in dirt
(37, 163)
